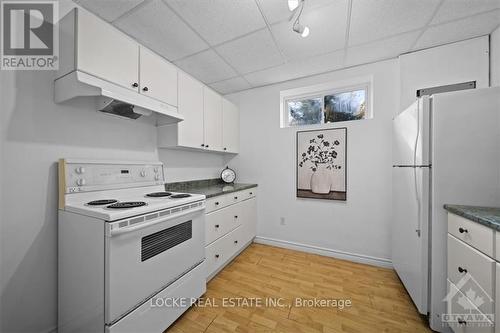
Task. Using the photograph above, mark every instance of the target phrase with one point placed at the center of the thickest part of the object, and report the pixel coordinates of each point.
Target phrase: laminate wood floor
(379, 301)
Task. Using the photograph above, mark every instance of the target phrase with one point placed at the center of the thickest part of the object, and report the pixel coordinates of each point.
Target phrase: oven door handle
(152, 222)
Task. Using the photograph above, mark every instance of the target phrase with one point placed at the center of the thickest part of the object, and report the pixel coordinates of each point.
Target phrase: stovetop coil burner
(126, 204)
(101, 202)
(180, 195)
(158, 194)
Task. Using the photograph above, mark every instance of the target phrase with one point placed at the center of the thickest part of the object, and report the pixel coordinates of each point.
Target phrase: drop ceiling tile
(380, 50)
(459, 30)
(252, 52)
(327, 32)
(296, 69)
(157, 27)
(231, 85)
(372, 20)
(219, 20)
(277, 10)
(207, 67)
(109, 10)
(455, 9)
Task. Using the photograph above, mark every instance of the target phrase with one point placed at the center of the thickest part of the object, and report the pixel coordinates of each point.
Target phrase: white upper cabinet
(190, 131)
(104, 51)
(230, 127)
(158, 78)
(212, 119)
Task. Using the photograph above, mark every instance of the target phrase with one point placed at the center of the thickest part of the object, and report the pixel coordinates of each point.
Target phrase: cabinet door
(158, 78)
(249, 222)
(190, 130)
(105, 52)
(230, 127)
(212, 119)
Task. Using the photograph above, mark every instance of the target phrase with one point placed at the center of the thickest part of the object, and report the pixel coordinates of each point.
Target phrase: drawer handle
(217, 203)
(235, 216)
(235, 198)
(461, 270)
(251, 193)
(145, 89)
(216, 256)
(461, 321)
(217, 225)
(235, 242)
(462, 230)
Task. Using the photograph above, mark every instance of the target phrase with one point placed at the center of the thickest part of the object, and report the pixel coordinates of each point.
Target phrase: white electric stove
(124, 244)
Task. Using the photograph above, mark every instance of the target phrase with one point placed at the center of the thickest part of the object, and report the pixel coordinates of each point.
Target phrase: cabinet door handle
(145, 89)
(217, 226)
(235, 198)
(135, 84)
(461, 270)
(203, 145)
(462, 230)
(216, 203)
(225, 148)
(235, 242)
(251, 193)
(235, 216)
(216, 256)
(461, 321)
(206, 146)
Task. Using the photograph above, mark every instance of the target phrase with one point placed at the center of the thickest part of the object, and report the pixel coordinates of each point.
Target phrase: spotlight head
(293, 4)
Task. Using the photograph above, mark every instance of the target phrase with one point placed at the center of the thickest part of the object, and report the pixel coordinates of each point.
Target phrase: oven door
(144, 259)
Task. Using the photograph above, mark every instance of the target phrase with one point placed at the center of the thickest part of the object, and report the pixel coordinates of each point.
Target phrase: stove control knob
(80, 170)
(143, 173)
(80, 182)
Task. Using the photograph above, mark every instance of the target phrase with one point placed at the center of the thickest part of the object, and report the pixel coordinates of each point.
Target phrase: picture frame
(321, 164)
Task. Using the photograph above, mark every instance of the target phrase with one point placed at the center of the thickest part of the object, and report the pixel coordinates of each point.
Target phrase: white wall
(458, 62)
(361, 225)
(495, 57)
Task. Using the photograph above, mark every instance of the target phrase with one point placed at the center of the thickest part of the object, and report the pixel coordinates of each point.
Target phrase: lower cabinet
(473, 280)
(229, 230)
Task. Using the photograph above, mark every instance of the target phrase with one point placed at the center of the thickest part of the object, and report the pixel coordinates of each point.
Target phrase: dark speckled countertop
(488, 216)
(209, 187)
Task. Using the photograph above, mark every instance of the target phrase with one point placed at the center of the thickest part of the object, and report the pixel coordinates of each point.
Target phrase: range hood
(112, 98)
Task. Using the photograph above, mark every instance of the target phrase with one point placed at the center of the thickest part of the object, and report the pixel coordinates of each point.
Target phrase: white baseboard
(361, 258)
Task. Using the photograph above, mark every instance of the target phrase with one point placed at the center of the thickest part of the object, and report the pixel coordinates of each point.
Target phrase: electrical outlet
(282, 221)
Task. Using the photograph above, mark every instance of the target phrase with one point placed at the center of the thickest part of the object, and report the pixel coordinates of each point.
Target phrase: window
(327, 106)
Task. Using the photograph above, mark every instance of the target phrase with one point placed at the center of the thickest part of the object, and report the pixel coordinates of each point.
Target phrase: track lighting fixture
(297, 6)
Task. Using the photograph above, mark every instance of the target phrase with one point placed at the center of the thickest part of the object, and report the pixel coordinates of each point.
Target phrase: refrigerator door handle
(418, 230)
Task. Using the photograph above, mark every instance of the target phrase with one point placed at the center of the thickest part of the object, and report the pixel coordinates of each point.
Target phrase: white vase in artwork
(321, 179)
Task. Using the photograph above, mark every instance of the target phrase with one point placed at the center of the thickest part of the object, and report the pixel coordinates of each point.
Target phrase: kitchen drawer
(217, 202)
(455, 309)
(219, 252)
(220, 222)
(250, 193)
(472, 233)
(463, 259)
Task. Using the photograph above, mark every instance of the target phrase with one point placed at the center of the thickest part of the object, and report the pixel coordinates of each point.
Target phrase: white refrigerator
(446, 149)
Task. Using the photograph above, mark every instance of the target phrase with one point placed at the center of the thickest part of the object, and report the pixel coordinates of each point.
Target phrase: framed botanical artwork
(321, 164)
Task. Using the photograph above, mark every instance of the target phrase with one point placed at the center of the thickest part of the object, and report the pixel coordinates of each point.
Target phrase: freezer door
(410, 242)
(411, 134)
